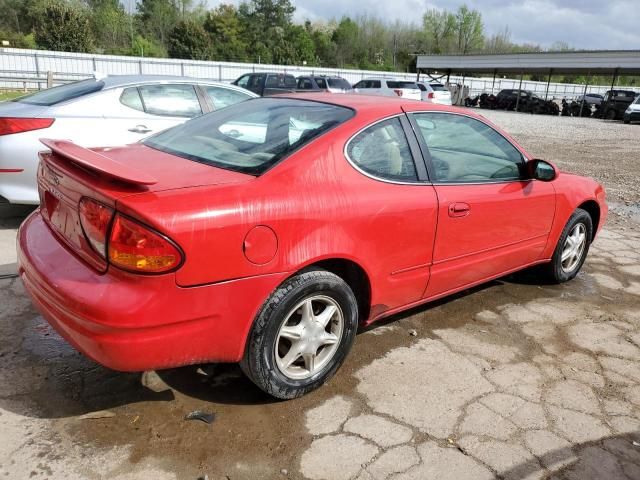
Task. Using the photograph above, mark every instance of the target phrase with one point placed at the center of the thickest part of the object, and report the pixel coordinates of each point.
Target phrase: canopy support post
(546, 93)
(493, 84)
(584, 94)
(519, 91)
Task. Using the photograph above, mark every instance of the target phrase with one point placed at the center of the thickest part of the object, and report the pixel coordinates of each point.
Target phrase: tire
(611, 115)
(283, 316)
(558, 271)
(626, 122)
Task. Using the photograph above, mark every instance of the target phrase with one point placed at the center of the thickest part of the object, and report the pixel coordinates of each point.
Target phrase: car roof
(114, 81)
(367, 103)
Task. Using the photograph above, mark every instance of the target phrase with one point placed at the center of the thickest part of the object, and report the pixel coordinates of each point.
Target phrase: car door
(491, 219)
(403, 227)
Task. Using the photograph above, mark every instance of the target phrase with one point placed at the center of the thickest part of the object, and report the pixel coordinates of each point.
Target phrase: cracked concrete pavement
(511, 380)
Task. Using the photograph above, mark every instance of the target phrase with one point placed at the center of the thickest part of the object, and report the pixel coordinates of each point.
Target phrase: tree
(59, 25)
(439, 29)
(266, 23)
(227, 34)
(345, 37)
(189, 40)
(303, 49)
(469, 30)
(111, 25)
(157, 18)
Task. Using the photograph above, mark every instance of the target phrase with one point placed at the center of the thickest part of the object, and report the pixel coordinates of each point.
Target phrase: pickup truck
(265, 83)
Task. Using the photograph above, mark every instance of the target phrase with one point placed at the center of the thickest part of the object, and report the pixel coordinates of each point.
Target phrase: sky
(583, 24)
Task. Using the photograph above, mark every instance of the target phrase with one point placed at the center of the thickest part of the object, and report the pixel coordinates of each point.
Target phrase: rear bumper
(129, 322)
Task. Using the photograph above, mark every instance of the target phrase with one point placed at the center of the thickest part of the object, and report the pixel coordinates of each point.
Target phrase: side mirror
(541, 170)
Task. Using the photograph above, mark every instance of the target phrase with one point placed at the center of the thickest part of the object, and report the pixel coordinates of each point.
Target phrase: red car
(267, 232)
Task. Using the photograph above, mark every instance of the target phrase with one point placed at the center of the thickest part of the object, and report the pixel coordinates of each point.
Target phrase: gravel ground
(512, 380)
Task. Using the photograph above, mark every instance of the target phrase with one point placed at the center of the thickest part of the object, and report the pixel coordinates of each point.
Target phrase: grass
(8, 95)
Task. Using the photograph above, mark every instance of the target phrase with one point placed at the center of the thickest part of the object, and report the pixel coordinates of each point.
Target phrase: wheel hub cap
(573, 248)
(309, 337)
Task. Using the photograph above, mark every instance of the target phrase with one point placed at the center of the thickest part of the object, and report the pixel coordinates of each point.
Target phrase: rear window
(338, 83)
(438, 87)
(399, 84)
(55, 95)
(251, 136)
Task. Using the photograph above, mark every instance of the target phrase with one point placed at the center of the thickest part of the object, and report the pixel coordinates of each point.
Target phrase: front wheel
(572, 248)
(302, 334)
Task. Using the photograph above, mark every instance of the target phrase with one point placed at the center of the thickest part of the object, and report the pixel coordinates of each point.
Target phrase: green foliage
(143, 47)
(18, 40)
(226, 33)
(61, 25)
(111, 25)
(189, 40)
(157, 18)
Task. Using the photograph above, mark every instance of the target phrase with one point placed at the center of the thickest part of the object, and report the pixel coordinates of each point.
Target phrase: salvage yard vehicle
(615, 104)
(272, 245)
(434, 93)
(323, 83)
(632, 113)
(267, 83)
(388, 88)
(101, 111)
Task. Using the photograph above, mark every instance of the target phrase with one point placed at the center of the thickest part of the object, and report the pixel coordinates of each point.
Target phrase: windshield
(55, 95)
(252, 136)
(438, 87)
(399, 84)
(338, 83)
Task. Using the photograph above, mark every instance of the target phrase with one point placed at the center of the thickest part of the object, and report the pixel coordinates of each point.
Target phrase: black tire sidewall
(557, 272)
(259, 360)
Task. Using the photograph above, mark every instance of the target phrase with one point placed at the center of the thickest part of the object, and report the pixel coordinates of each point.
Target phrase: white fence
(28, 69)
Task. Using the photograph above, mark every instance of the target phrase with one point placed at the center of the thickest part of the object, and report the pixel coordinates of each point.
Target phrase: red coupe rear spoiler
(98, 162)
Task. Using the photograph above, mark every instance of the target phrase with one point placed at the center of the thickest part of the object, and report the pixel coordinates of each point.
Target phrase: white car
(109, 111)
(632, 114)
(434, 93)
(388, 88)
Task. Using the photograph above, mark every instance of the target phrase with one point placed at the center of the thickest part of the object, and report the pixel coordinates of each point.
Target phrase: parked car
(114, 110)
(388, 87)
(334, 211)
(318, 83)
(434, 93)
(615, 104)
(529, 102)
(632, 114)
(590, 99)
(266, 83)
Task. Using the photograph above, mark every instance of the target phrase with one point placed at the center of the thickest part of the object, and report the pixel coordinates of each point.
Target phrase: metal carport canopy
(626, 62)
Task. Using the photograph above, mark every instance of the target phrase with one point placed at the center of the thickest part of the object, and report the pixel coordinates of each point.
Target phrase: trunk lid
(70, 172)
(411, 93)
(21, 110)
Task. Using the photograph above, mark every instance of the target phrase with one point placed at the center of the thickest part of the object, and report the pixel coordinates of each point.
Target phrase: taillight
(136, 248)
(10, 125)
(398, 92)
(431, 95)
(95, 219)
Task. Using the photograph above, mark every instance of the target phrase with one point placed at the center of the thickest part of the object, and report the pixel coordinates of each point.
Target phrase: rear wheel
(572, 248)
(302, 334)
(611, 115)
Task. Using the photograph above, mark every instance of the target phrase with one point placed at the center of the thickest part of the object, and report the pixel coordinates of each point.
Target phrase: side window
(223, 97)
(361, 84)
(321, 82)
(383, 151)
(170, 100)
(422, 87)
(304, 84)
(243, 81)
(131, 98)
(375, 84)
(464, 149)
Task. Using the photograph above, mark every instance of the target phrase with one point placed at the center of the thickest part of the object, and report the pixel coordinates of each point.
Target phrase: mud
(543, 382)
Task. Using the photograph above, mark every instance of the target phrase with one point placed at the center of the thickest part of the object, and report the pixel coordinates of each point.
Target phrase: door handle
(459, 209)
(140, 129)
